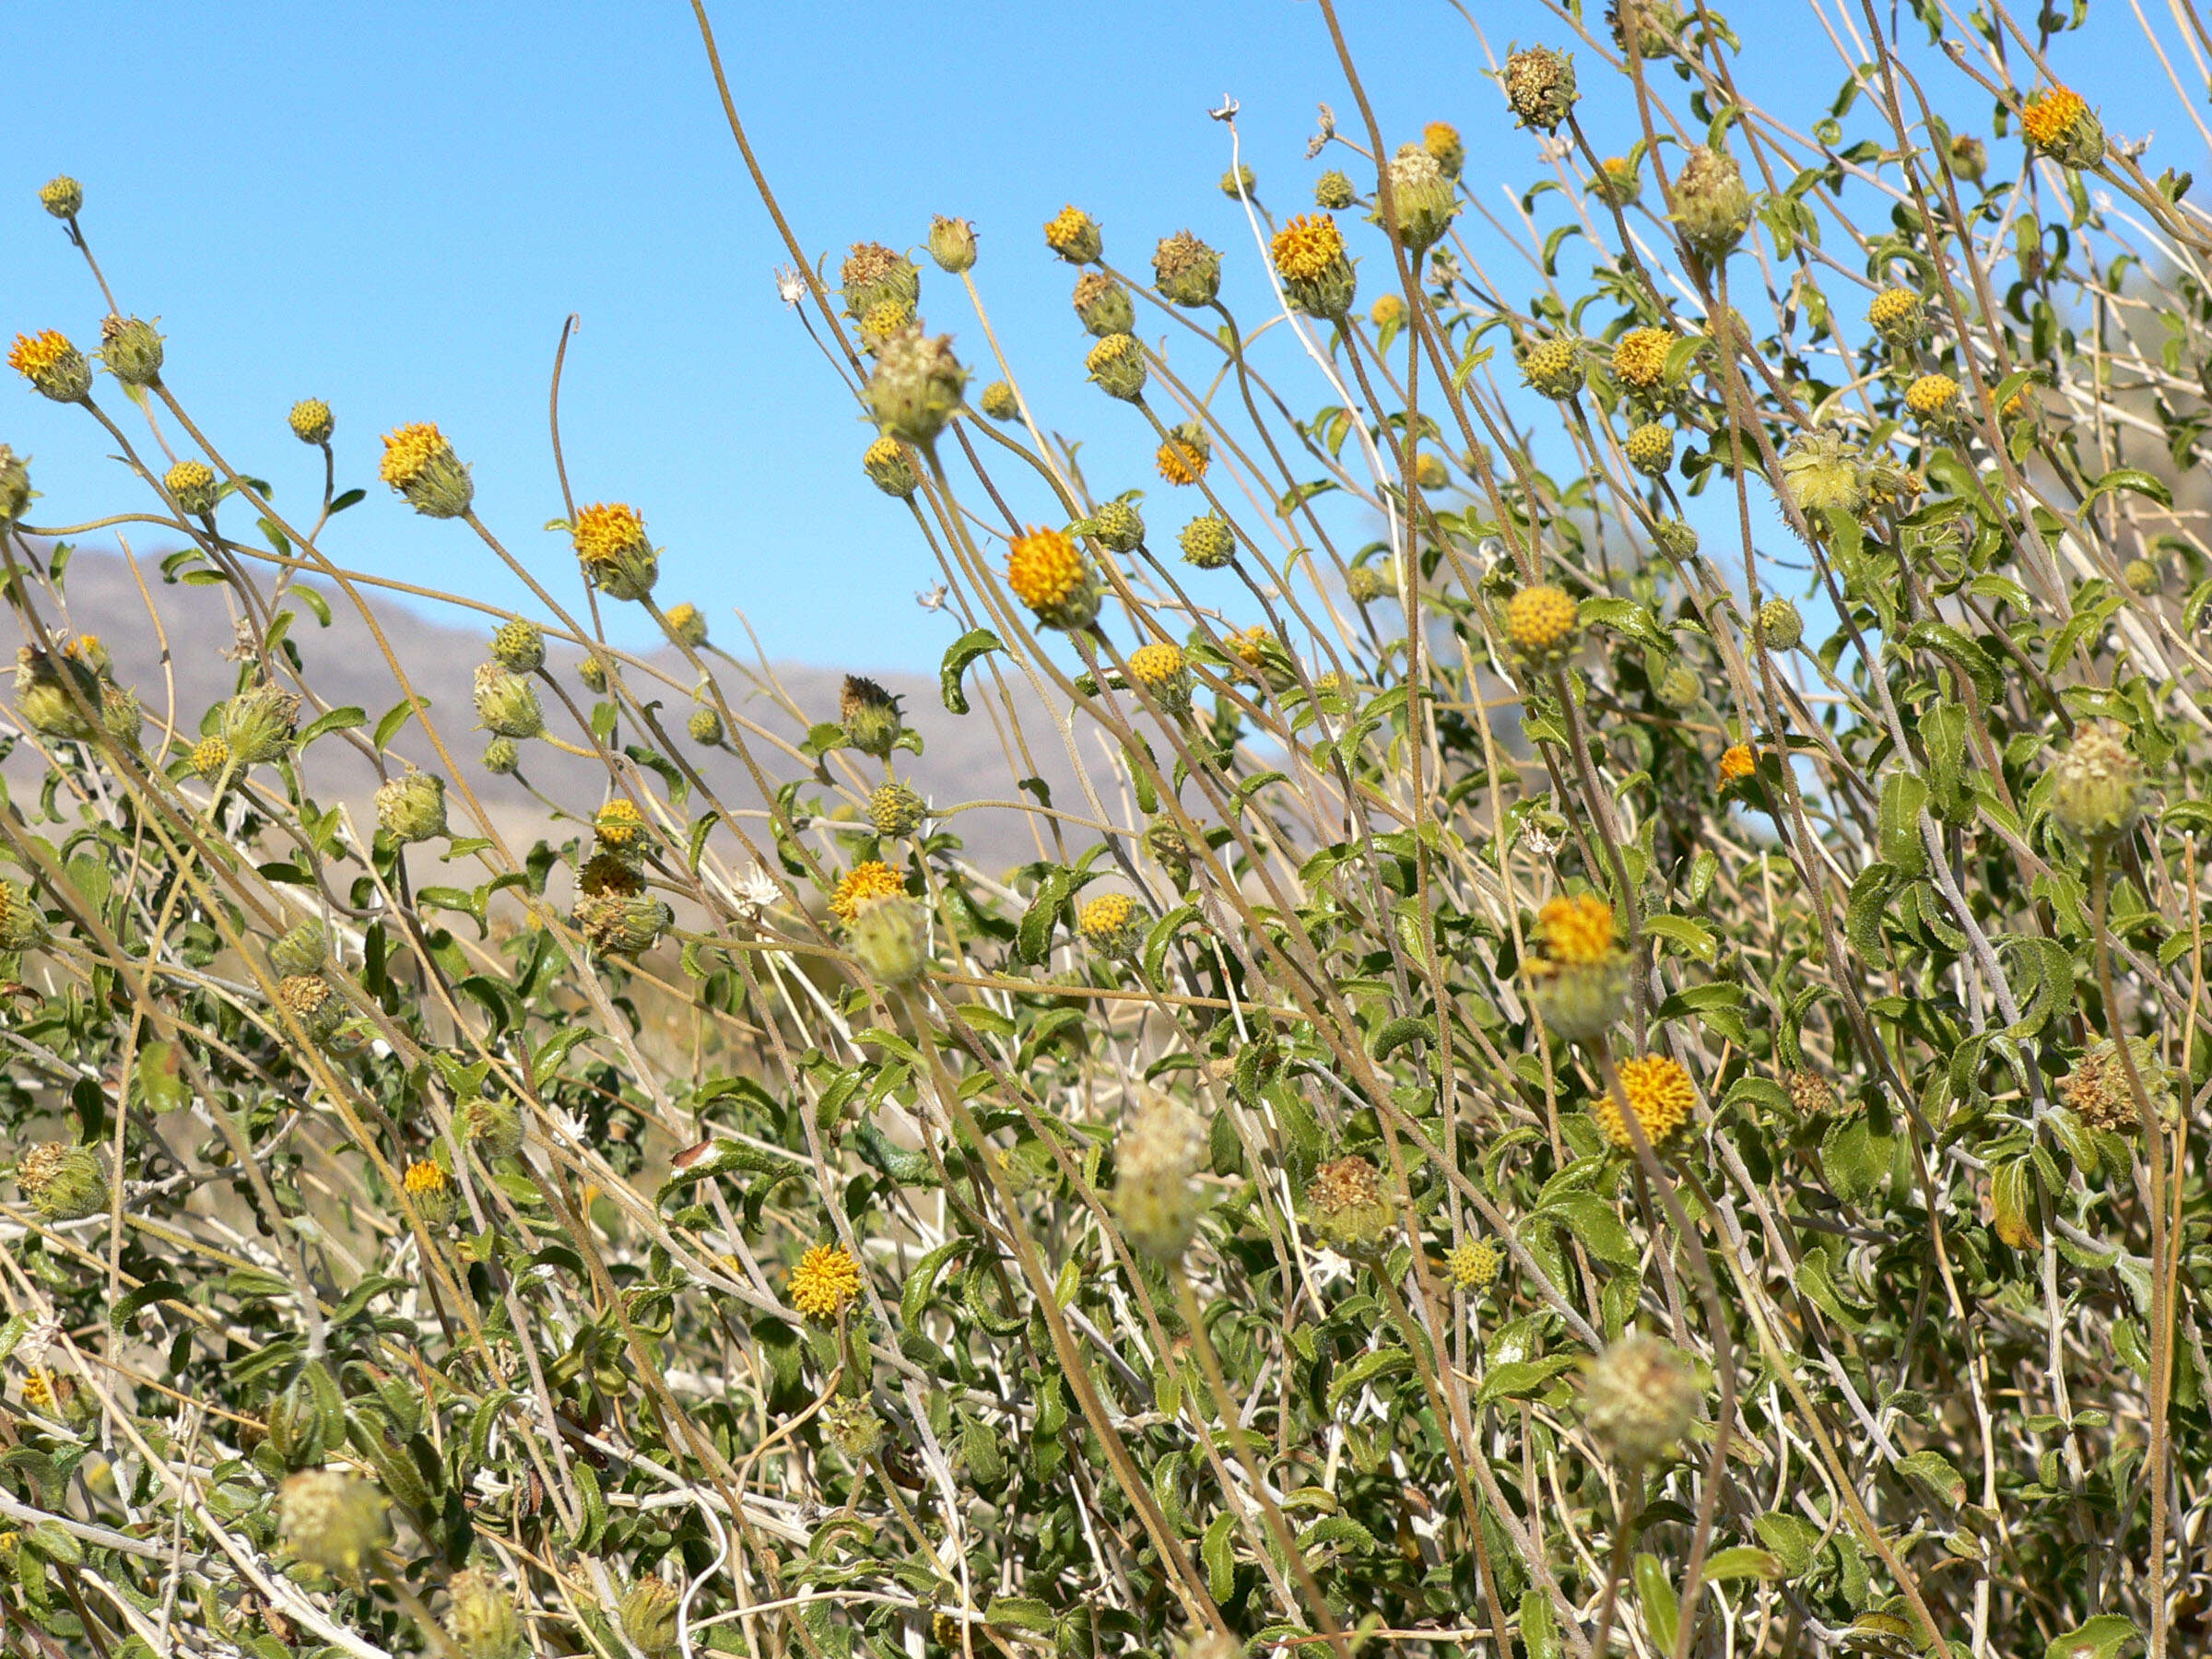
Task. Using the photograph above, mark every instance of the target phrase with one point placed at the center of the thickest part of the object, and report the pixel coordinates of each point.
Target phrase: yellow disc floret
(1932, 394)
(1473, 1265)
(37, 357)
(1640, 357)
(1539, 620)
(2051, 115)
(1185, 457)
(606, 530)
(1577, 931)
(209, 756)
(1154, 666)
(1893, 308)
(1045, 568)
(1307, 248)
(861, 885)
(407, 451)
(1738, 761)
(825, 1280)
(618, 823)
(1658, 1091)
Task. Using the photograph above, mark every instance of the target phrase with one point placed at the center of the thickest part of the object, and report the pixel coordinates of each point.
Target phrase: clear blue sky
(394, 208)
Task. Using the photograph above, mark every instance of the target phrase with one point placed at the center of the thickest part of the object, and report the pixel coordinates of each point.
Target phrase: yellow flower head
(1307, 248)
(882, 320)
(1738, 761)
(1154, 666)
(1932, 394)
(86, 648)
(1250, 646)
(311, 420)
(1073, 234)
(1658, 1092)
(1441, 140)
(863, 884)
(192, 485)
(618, 823)
(1539, 621)
(2051, 115)
(1578, 931)
(35, 356)
(1106, 918)
(408, 449)
(1388, 309)
(1045, 568)
(604, 531)
(426, 1180)
(1640, 357)
(824, 1281)
(1186, 454)
(1894, 309)
(1474, 1266)
(209, 756)
(40, 1391)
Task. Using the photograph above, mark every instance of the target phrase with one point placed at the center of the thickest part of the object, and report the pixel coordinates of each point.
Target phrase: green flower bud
(999, 402)
(1539, 88)
(1240, 182)
(1553, 366)
(952, 244)
(16, 492)
(62, 1183)
(22, 925)
(687, 625)
(2099, 787)
(1823, 470)
(896, 810)
(1640, 1398)
(1333, 191)
(1579, 1001)
(2142, 577)
(1680, 688)
(312, 421)
(62, 197)
(519, 647)
(1121, 528)
(889, 937)
(648, 1616)
(854, 1429)
(870, 716)
(312, 1001)
(193, 486)
(411, 808)
(1117, 366)
(1165, 840)
(591, 671)
(1102, 305)
(1186, 271)
(120, 715)
(1970, 158)
(331, 1520)
(1675, 539)
(299, 950)
(502, 756)
(1651, 448)
(493, 1126)
(480, 1616)
(1154, 1196)
(56, 695)
(916, 387)
(888, 469)
(873, 276)
(622, 923)
(1615, 182)
(1712, 207)
(1208, 542)
(1780, 626)
(705, 727)
(131, 349)
(1363, 585)
(1422, 199)
(507, 703)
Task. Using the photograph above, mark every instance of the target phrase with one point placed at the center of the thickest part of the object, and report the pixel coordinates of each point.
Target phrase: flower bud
(1651, 448)
(1675, 539)
(896, 810)
(120, 715)
(1165, 840)
(1333, 191)
(1680, 688)
(1615, 182)
(1186, 271)
(916, 387)
(1934, 398)
(1114, 924)
(420, 464)
(493, 1126)
(1102, 305)
(411, 808)
(1713, 208)
(331, 1521)
(952, 244)
(314, 1005)
(1121, 528)
(1316, 274)
(1154, 1197)
(1240, 182)
(430, 1190)
(56, 695)
(591, 671)
(54, 367)
(1117, 366)
(870, 715)
(1553, 367)
(1208, 542)
(705, 727)
(62, 197)
(881, 322)
(16, 492)
(1821, 471)
(131, 349)
(1051, 575)
(888, 938)
(1163, 671)
(1539, 88)
(1970, 158)
(519, 647)
(622, 923)
(300, 949)
(685, 625)
(480, 1616)
(502, 756)
(1639, 1398)
(873, 276)
(210, 759)
(2142, 577)
(62, 1183)
(1346, 1204)
(1363, 585)
(1074, 235)
(999, 402)
(1422, 200)
(1780, 626)
(648, 1616)
(193, 486)
(854, 1429)
(312, 421)
(1474, 1266)
(22, 927)
(2099, 787)
(507, 703)
(612, 549)
(888, 469)
(259, 723)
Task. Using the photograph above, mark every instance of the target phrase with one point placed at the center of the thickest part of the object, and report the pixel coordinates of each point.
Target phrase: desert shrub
(1602, 1053)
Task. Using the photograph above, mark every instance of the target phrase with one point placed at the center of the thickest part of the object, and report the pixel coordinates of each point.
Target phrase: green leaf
(1937, 1473)
(1655, 1592)
(964, 651)
(1539, 1630)
(337, 719)
(1521, 1378)
(1693, 937)
(1744, 1561)
(1897, 822)
(2102, 1638)
(1033, 939)
(1019, 1613)
(2132, 481)
(396, 716)
(1405, 1029)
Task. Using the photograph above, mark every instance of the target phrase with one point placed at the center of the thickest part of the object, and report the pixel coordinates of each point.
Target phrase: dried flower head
(62, 1183)
(1539, 88)
(1639, 1398)
(1345, 1204)
(1102, 305)
(1185, 270)
(1713, 208)
(481, 1617)
(411, 808)
(1823, 470)
(873, 276)
(1421, 198)
(825, 1280)
(870, 715)
(130, 347)
(916, 387)
(2098, 1093)
(952, 244)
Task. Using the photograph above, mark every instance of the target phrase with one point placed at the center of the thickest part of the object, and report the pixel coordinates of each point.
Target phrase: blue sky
(394, 208)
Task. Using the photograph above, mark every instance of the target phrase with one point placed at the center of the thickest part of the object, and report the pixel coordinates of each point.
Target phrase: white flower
(37, 1340)
(791, 287)
(932, 598)
(756, 891)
